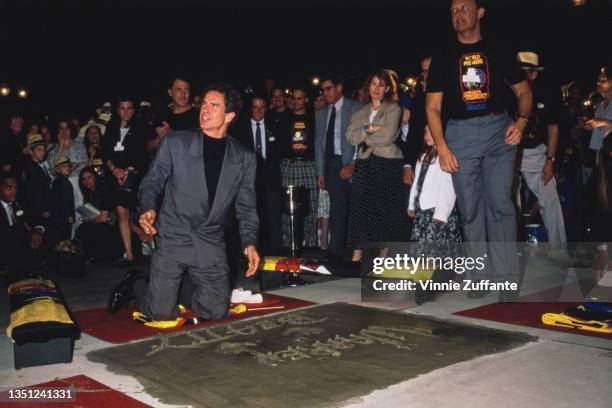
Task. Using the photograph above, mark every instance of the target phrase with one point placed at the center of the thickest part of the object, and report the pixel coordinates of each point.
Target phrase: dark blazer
(62, 200)
(190, 231)
(5, 238)
(268, 171)
(9, 236)
(349, 107)
(135, 153)
(37, 189)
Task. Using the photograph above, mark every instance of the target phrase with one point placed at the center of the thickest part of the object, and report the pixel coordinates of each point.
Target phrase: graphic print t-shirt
(473, 78)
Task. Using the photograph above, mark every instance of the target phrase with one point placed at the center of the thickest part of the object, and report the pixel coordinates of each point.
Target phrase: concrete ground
(559, 370)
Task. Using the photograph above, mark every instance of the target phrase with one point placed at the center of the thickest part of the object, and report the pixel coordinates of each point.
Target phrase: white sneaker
(245, 296)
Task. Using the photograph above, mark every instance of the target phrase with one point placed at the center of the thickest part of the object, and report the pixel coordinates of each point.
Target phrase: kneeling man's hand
(253, 256)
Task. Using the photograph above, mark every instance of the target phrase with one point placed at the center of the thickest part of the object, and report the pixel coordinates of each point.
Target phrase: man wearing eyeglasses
(466, 84)
(334, 157)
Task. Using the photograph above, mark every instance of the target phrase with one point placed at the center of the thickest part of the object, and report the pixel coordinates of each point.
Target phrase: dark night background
(72, 58)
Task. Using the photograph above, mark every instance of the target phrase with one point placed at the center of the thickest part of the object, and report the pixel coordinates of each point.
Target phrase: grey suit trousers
(210, 299)
(483, 186)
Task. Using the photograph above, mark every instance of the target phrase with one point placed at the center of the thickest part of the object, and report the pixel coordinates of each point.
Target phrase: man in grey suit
(334, 157)
(202, 174)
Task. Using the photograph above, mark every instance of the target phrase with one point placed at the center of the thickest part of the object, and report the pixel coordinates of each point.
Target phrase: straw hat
(106, 107)
(529, 60)
(36, 139)
(60, 160)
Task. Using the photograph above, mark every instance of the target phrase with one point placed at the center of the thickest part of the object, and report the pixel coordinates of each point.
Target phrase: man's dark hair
(125, 98)
(335, 79)
(275, 87)
(258, 96)
(479, 3)
(302, 86)
(233, 100)
(424, 55)
(5, 176)
(179, 78)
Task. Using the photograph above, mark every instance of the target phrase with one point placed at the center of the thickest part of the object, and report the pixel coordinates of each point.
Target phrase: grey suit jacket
(349, 107)
(381, 142)
(189, 231)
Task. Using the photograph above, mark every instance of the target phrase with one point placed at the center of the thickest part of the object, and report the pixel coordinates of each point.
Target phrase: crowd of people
(439, 162)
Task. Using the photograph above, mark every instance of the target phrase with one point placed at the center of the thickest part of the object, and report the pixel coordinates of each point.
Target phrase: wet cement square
(313, 357)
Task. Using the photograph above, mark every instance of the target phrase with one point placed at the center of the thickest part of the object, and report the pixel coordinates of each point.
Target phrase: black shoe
(123, 292)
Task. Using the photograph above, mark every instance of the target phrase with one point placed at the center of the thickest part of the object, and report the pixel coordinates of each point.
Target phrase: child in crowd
(432, 205)
(62, 199)
(432, 200)
(37, 180)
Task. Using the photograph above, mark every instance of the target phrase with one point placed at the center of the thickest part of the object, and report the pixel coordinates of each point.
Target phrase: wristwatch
(551, 158)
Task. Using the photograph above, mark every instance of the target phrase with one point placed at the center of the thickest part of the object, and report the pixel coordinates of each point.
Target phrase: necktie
(258, 141)
(329, 140)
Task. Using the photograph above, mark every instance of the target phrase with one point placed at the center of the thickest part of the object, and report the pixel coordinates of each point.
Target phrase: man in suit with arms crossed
(204, 173)
(334, 160)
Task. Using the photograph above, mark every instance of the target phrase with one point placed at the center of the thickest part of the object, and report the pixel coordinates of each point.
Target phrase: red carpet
(526, 314)
(89, 393)
(120, 328)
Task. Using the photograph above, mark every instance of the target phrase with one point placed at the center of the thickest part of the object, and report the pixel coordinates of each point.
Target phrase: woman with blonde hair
(376, 213)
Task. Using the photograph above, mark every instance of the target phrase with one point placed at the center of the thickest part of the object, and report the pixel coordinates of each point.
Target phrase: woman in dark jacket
(125, 156)
(98, 235)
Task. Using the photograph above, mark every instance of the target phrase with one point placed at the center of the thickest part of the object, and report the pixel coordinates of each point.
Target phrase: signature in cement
(229, 343)
(332, 347)
(205, 337)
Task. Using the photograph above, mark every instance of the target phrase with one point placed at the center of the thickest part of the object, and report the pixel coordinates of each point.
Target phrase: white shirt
(45, 170)
(262, 128)
(437, 192)
(123, 133)
(405, 127)
(373, 113)
(8, 211)
(337, 125)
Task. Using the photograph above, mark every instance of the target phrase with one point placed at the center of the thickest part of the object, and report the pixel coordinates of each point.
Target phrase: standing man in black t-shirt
(466, 86)
(538, 151)
(298, 167)
(180, 115)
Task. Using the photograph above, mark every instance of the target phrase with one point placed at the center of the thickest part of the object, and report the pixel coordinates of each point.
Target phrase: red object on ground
(526, 314)
(89, 393)
(121, 328)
